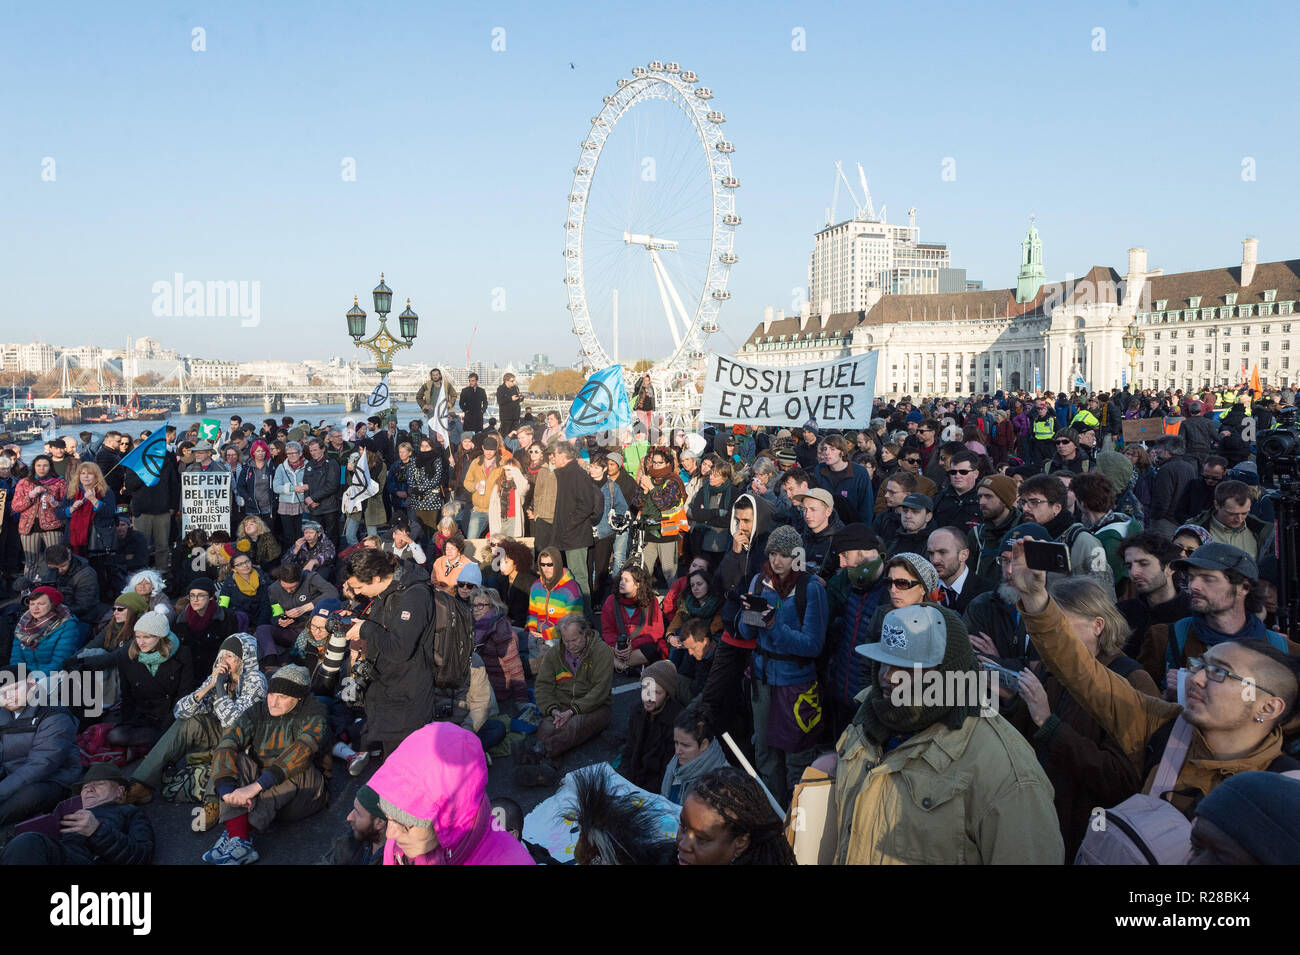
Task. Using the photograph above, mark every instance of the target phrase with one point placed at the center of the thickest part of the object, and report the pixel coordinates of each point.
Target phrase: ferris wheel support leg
(660, 278)
(672, 291)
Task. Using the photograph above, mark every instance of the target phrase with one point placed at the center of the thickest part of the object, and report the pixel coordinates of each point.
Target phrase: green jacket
(281, 745)
(590, 688)
(971, 796)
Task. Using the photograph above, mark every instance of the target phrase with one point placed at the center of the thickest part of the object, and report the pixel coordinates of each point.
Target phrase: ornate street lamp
(382, 344)
(1133, 342)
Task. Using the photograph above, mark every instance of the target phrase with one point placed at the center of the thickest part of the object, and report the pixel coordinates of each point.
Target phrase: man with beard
(996, 630)
(854, 592)
(958, 585)
(959, 788)
(1156, 600)
(997, 496)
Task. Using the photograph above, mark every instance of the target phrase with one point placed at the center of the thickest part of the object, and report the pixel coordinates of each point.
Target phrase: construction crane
(862, 211)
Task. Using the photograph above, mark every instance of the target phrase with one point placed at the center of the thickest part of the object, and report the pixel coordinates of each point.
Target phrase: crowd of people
(391, 603)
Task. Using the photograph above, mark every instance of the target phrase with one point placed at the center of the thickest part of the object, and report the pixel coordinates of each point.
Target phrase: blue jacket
(614, 501)
(856, 488)
(57, 645)
(789, 635)
(852, 611)
(257, 607)
(243, 488)
(39, 744)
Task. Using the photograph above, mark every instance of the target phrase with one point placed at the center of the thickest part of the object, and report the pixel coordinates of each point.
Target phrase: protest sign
(836, 394)
(205, 501)
(209, 429)
(1137, 430)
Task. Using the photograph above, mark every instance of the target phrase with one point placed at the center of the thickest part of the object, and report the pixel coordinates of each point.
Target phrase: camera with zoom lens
(1277, 451)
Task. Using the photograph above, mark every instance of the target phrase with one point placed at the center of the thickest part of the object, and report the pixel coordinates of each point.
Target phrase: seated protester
(1070, 456)
(313, 551)
(700, 644)
(262, 770)
(1230, 522)
(1248, 820)
(256, 540)
(495, 642)
(149, 585)
(1225, 733)
(631, 623)
(821, 524)
(1044, 500)
(515, 582)
(403, 546)
(447, 529)
(70, 575)
(996, 495)
(448, 566)
(1095, 496)
(366, 836)
(246, 591)
(916, 521)
(989, 800)
(104, 831)
(672, 599)
(1147, 557)
(202, 623)
(700, 602)
(189, 554)
(551, 599)
(853, 595)
(46, 633)
(433, 791)
(218, 555)
(727, 820)
(330, 667)
(292, 600)
(710, 513)
(1085, 765)
(649, 746)
(473, 705)
(232, 686)
(992, 620)
(574, 692)
(695, 753)
(154, 671)
(38, 750)
(949, 554)
(1223, 597)
(887, 523)
(131, 552)
(788, 722)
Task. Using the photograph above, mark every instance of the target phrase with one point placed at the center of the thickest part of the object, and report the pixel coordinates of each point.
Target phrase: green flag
(209, 429)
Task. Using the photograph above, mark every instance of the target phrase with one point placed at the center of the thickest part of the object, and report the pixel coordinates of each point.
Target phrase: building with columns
(1208, 327)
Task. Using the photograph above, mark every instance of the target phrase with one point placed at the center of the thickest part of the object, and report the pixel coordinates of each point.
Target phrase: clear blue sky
(225, 164)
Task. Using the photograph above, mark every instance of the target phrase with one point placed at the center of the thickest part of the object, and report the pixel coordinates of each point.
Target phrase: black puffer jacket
(400, 699)
(124, 837)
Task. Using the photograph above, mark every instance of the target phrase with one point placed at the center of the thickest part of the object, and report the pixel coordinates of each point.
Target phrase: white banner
(379, 399)
(205, 501)
(836, 394)
(439, 421)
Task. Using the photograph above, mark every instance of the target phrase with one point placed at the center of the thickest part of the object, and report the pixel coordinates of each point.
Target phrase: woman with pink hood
(433, 788)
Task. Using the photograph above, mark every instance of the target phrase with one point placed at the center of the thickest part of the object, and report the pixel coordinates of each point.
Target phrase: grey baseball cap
(910, 637)
(917, 502)
(1217, 556)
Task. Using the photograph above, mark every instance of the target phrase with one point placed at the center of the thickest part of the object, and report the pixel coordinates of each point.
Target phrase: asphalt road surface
(305, 841)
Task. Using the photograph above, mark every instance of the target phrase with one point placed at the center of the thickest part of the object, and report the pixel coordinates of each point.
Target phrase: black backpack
(448, 642)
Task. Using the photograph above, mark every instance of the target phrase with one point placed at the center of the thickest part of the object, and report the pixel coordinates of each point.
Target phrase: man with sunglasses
(1069, 455)
(1238, 693)
(957, 505)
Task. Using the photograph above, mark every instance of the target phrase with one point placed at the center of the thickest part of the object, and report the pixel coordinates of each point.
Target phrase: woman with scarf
(496, 488)
(36, 501)
(290, 482)
(496, 644)
(254, 483)
(245, 591)
(699, 602)
(447, 567)
(90, 509)
(426, 474)
(47, 633)
(201, 623)
(631, 621)
(256, 540)
(662, 500)
(539, 503)
(695, 753)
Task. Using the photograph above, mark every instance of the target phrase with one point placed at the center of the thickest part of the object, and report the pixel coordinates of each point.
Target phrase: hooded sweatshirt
(438, 776)
(225, 703)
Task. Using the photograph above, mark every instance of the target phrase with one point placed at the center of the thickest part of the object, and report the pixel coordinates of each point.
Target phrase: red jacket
(644, 627)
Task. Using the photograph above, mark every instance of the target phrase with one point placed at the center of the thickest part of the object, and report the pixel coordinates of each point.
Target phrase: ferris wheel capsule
(656, 66)
(709, 326)
(672, 67)
(714, 116)
(623, 81)
(610, 101)
(721, 294)
(730, 182)
(731, 219)
(725, 147)
(581, 171)
(688, 76)
(704, 93)
(728, 258)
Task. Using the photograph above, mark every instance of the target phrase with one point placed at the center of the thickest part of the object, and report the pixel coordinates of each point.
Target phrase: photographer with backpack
(399, 609)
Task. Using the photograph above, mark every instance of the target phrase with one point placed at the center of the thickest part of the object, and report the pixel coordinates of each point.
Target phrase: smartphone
(756, 607)
(1050, 556)
(1008, 679)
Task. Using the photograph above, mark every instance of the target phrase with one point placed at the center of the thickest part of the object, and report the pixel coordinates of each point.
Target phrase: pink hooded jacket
(439, 773)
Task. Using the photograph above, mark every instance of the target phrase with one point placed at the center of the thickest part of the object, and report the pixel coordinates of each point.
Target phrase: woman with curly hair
(727, 820)
(255, 539)
(631, 621)
(149, 585)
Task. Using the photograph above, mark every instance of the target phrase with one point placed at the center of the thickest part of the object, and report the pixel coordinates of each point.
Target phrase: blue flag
(148, 458)
(600, 405)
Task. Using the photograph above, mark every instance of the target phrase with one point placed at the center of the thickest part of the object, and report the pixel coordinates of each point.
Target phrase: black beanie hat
(233, 645)
(205, 584)
(1261, 811)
